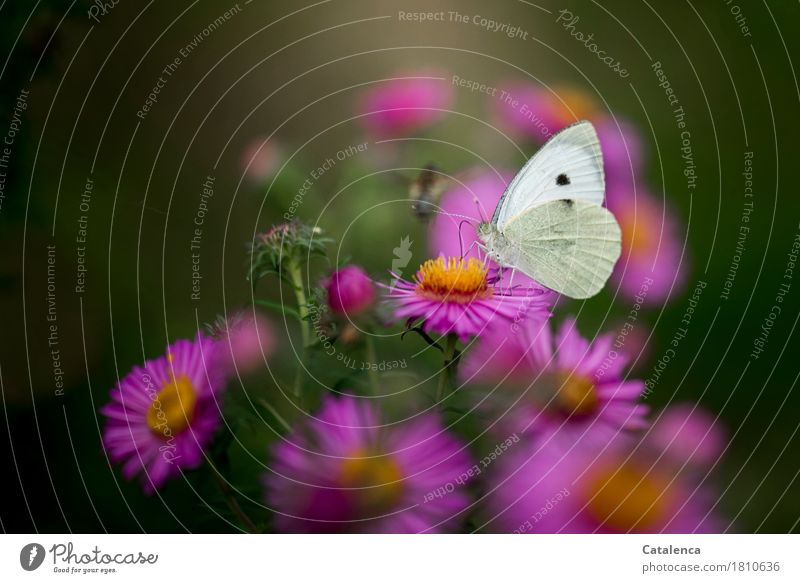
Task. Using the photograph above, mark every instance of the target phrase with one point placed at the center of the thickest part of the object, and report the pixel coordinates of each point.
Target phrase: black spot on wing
(562, 180)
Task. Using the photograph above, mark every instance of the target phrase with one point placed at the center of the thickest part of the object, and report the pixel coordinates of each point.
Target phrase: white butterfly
(549, 223)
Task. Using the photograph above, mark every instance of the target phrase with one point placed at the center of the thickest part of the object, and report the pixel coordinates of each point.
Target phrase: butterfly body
(497, 246)
(550, 223)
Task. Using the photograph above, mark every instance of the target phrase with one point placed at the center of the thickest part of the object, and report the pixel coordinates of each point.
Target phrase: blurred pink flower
(623, 153)
(543, 489)
(350, 291)
(406, 104)
(503, 354)
(260, 159)
(247, 341)
(633, 340)
(651, 263)
(347, 471)
(525, 111)
(687, 432)
(536, 112)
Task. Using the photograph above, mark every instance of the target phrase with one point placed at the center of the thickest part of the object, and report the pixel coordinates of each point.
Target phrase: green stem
(232, 503)
(274, 412)
(296, 280)
(448, 373)
(373, 359)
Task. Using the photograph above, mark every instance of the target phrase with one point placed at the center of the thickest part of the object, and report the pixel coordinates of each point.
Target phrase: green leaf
(281, 309)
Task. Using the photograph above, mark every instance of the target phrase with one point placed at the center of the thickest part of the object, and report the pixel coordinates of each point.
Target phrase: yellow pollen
(456, 280)
(379, 478)
(172, 409)
(628, 498)
(576, 395)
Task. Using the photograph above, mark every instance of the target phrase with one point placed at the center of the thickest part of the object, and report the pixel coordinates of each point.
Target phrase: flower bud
(284, 247)
(350, 291)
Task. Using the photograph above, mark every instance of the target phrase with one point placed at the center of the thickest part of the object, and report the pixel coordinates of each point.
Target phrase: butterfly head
(492, 239)
(486, 231)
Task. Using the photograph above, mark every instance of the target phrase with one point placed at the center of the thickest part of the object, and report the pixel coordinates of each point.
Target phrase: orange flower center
(576, 105)
(576, 395)
(636, 237)
(628, 498)
(172, 410)
(454, 280)
(378, 480)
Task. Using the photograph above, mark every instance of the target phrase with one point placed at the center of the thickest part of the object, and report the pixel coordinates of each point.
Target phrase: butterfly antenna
(454, 216)
(460, 238)
(483, 217)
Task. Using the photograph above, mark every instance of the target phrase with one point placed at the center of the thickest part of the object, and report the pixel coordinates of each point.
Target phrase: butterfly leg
(474, 243)
(511, 279)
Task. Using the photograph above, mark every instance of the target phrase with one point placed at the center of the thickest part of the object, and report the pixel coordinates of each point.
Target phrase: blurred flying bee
(426, 191)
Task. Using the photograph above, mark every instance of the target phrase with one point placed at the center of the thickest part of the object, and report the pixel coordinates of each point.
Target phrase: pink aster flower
(458, 296)
(570, 387)
(589, 382)
(163, 415)
(652, 265)
(405, 105)
(344, 471)
(619, 490)
(350, 291)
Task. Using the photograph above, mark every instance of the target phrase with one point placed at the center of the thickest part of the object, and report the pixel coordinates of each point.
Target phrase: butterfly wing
(569, 246)
(568, 166)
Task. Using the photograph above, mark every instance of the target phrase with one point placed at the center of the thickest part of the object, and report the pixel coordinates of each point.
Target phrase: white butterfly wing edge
(568, 166)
